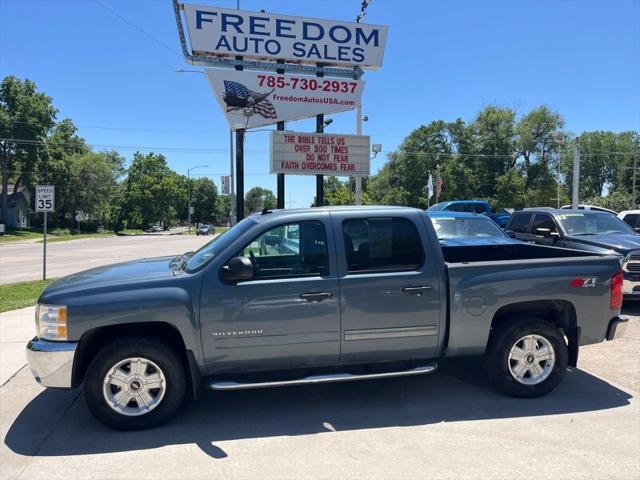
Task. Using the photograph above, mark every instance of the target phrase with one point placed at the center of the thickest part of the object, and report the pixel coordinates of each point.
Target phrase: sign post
(45, 203)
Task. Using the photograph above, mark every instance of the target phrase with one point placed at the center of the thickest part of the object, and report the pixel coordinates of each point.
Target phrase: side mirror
(637, 229)
(238, 268)
(510, 233)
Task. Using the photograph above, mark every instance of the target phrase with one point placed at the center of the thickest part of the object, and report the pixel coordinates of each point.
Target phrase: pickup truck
(481, 207)
(290, 297)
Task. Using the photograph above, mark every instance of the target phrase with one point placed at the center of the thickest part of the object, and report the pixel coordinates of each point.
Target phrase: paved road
(23, 261)
(446, 425)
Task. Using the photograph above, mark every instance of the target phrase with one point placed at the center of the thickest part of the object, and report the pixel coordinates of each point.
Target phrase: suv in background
(631, 218)
(587, 230)
(481, 207)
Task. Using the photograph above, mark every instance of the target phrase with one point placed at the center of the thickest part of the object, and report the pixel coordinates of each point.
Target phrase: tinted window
(519, 222)
(632, 219)
(382, 244)
(291, 250)
(544, 221)
(476, 208)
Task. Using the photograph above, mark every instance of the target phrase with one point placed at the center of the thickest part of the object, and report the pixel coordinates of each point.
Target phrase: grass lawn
(22, 294)
(19, 234)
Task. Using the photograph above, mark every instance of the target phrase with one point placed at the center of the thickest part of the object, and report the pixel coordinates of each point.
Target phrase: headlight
(51, 322)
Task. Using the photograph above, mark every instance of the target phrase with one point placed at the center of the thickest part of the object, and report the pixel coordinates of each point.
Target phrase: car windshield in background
(473, 227)
(218, 244)
(593, 224)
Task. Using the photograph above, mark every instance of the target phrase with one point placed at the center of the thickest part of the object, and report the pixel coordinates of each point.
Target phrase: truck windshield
(593, 224)
(217, 245)
(475, 227)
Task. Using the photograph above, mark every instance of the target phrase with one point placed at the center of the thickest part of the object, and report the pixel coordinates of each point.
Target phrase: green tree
(26, 116)
(223, 208)
(257, 199)
(152, 192)
(204, 195)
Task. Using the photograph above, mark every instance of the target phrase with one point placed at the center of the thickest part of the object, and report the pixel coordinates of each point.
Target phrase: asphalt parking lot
(22, 261)
(447, 425)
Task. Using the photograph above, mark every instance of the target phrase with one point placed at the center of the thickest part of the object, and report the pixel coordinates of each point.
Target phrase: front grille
(633, 264)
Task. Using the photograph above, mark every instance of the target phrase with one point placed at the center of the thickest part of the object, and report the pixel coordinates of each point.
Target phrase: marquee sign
(269, 36)
(299, 153)
(253, 99)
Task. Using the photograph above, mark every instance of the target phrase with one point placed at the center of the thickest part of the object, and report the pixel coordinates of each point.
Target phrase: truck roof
(337, 208)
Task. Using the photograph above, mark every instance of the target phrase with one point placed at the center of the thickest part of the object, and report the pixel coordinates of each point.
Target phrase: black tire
(169, 362)
(497, 361)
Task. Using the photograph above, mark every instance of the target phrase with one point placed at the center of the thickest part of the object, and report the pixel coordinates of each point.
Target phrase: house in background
(19, 207)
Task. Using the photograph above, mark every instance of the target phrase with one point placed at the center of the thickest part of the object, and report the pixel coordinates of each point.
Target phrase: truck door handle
(417, 289)
(315, 296)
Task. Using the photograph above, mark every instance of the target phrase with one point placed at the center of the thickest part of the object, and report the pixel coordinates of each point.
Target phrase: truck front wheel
(134, 384)
(527, 358)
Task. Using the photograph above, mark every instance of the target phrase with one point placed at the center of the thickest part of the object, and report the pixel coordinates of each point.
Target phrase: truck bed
(524, 251)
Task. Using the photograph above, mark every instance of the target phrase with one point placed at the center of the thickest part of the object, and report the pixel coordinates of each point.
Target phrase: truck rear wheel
(134, 384)
(527, 358)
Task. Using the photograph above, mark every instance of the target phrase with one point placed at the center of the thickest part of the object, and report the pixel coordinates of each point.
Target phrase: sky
(110, 66)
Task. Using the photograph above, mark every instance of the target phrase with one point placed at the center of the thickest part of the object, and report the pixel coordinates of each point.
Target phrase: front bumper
(617, 327)
(51, 363)
(631, 287)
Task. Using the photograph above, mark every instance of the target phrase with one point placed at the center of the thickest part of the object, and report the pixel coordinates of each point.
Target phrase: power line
(226, 150)
(133, 25)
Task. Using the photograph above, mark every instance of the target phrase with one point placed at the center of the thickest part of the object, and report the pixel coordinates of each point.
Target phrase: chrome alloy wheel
(531, 359)
(134, 386)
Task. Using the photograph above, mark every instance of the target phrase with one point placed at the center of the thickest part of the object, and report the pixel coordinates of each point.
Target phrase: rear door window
(390, 244)
(520, 223)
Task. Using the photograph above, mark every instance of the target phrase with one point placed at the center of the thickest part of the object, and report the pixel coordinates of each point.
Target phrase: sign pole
(44, 249)
(239, 165)
(320, 178)
(359, 132)
(280, 189)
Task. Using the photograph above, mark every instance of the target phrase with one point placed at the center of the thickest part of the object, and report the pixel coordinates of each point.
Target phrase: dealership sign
(269, 36)
(253, 99)
(298, 153)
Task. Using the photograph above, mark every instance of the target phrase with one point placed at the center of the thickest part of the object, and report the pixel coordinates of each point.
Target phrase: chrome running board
(313, 379)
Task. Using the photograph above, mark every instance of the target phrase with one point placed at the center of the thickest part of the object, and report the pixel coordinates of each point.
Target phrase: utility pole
(359, 132)
(232, 190)
(576, 175)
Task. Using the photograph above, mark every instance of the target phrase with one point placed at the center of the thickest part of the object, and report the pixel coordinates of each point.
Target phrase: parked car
(205, 229)
(481, 207)
(589, 207)
(587, 230)
(155, 228)
(631, 218)
(459, 228)
(362, 292)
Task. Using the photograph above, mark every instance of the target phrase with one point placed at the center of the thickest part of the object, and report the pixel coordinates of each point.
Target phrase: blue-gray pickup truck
(319, 295)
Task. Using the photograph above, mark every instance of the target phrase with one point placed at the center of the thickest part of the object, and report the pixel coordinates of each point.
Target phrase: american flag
(262, 106)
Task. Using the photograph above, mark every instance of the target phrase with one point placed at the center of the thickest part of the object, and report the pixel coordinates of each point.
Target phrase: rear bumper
(617, 327)
(631, 285)
(51, 363)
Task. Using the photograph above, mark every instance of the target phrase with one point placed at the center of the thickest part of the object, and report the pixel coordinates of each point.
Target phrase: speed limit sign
(45, 198)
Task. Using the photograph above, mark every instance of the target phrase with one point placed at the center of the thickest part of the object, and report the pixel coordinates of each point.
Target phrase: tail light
(616, 291)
